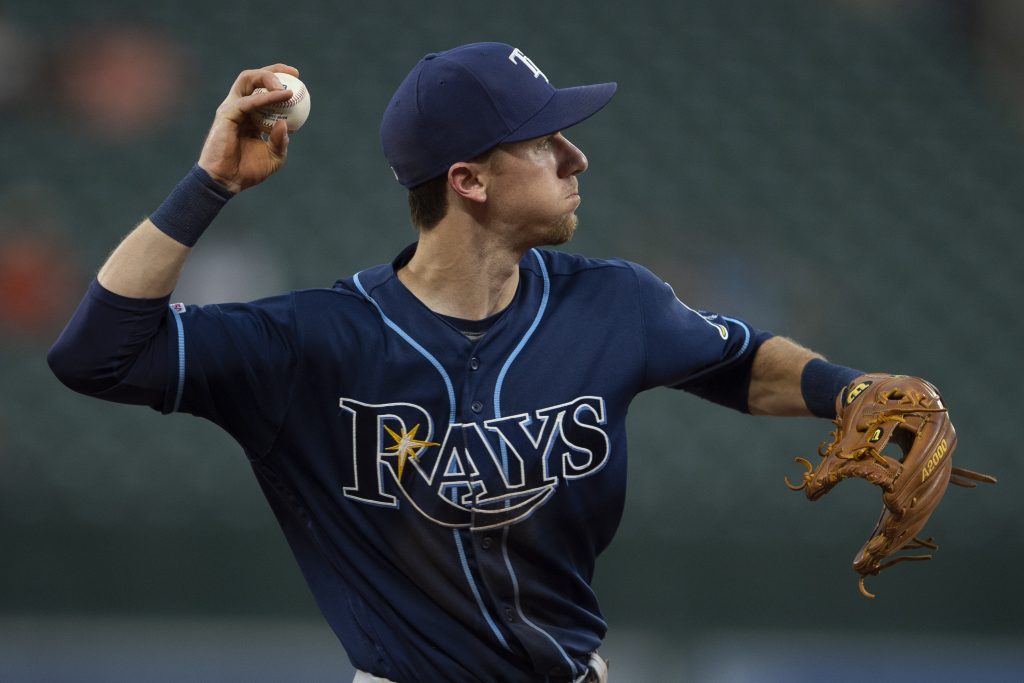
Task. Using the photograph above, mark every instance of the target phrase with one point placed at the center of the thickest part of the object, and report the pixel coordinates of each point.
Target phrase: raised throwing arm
(114, 344)
(146, 265)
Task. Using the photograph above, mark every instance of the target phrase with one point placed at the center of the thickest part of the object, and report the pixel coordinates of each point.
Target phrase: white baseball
(294, 110)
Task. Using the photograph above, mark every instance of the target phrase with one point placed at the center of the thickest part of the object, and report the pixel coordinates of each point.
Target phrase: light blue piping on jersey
(504, 452)
(519, 347)
(181, 360)
(451, 420)
(746, 331)
(743, 348)
(472, 583)
(414, 344)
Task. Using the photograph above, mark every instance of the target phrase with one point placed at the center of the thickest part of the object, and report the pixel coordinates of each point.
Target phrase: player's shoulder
(615, 276)
(342, 297)
(318, 297)
(344, 291)
(560, 264)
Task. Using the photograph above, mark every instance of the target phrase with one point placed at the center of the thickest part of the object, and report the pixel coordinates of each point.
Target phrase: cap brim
(567, 107)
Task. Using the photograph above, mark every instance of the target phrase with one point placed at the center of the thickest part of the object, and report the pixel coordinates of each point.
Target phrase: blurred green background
(845, 172)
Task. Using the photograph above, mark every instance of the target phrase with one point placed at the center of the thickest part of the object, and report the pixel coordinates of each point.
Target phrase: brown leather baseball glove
(873, 411)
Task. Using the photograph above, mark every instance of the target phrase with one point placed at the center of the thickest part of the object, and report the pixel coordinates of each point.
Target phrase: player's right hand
(235, 153)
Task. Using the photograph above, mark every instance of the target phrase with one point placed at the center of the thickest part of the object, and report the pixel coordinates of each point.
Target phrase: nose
(573, 160)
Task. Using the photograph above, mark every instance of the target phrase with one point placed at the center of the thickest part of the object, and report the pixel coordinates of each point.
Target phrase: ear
(465, 178)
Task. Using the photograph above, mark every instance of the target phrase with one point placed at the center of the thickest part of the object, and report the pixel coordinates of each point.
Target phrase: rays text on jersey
(478, 475)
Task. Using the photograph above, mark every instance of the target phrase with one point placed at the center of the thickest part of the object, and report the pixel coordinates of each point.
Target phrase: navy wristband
(191, 207)
(821, 382)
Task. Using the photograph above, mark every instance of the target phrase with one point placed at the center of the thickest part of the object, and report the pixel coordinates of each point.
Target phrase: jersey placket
(490, 359)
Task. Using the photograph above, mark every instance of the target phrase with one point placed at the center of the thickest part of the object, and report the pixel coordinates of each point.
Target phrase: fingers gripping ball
(294, 110)
(873, 411)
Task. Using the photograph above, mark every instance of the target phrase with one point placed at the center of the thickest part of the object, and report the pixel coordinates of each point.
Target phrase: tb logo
(517, 56)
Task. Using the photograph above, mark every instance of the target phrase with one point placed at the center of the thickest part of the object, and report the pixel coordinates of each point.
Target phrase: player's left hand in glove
(872, 411)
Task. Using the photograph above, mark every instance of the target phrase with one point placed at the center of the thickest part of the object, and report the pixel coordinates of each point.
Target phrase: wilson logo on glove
(857, 390)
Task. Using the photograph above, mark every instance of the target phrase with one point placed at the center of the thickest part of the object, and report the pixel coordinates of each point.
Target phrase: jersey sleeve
(116, 348)
(704, 353)
(235, 364)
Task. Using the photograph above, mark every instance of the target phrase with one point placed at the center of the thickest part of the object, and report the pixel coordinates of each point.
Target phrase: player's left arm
(726, 361)
(776, 377)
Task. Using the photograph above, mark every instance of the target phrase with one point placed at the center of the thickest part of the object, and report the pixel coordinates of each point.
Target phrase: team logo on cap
(517, 57)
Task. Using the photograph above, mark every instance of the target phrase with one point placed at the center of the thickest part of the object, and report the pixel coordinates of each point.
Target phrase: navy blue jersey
(446, 499)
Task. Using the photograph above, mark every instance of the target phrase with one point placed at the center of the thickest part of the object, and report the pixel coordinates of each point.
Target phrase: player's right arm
(147, 263)
(115, 345)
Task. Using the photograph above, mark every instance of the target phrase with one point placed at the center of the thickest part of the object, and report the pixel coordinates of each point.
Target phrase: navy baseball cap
(456, 105)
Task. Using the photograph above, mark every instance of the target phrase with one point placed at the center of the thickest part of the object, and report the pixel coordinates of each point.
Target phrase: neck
(457, 271)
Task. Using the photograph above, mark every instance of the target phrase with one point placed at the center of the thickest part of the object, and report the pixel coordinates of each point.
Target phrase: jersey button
(474, 363)
(477, 406)
(486, 543)
(510, 614)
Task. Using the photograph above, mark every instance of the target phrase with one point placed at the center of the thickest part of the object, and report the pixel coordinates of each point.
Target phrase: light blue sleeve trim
(451, 420)
(746, 331)
(181, 360)
(721, 364)
(504, 453)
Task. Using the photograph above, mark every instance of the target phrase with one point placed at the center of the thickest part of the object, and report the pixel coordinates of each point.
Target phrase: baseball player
(442, 438)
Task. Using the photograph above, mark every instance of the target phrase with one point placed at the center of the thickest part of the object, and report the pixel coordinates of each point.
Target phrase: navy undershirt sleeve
(117, 348)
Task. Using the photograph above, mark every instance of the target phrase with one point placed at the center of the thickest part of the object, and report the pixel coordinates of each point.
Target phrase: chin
(562, 231)
(557, 232)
